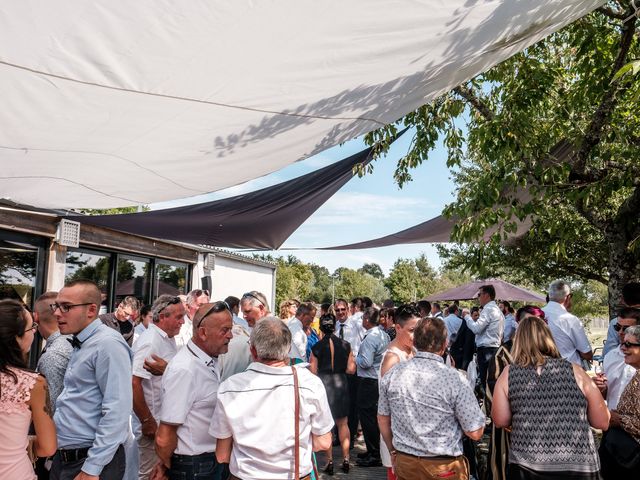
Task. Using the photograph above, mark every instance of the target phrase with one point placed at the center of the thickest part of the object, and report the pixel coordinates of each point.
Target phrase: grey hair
(159, 305)
(558, 290)
(193, 295)
(634, 331)
(255, 299)
(272, 339)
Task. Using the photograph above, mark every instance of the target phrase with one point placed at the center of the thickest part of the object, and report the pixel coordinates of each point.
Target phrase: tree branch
(628, 213)
(611, 13)
(590, 215)
(477, 103)
(609, 100)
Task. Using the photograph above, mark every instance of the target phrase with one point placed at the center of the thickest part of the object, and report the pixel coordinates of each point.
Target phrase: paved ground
(372, 473)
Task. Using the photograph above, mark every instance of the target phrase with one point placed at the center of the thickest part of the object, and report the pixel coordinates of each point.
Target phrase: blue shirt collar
(89, 330)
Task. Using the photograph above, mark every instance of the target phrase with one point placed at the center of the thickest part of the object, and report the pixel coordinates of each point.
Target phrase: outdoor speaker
(207, 283)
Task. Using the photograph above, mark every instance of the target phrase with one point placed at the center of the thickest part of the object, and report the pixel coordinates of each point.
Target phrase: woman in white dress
(399, 350)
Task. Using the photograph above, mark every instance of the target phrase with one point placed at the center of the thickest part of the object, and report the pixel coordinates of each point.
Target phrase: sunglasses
(251, 295)
(617, 327)
(198, 293)
(216, 307)
(173, 301)
(340, 309)
(629, 344)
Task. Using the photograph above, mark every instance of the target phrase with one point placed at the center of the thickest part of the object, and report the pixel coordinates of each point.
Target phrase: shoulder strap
(297, 424)
(332, 350)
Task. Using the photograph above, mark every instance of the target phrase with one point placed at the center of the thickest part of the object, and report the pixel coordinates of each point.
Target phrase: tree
(411, 280)
(550, 136)
(294, 279)
(353, 283)
(372, 269)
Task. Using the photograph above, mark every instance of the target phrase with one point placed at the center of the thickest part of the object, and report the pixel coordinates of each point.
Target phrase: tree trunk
(624, 266)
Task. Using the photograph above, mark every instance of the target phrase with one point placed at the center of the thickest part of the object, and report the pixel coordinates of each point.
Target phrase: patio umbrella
(504, 291)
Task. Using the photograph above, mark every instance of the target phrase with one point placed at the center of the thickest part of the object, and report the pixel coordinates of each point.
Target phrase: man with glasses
(92, 412)
(189, 395)
(195, 299)
(630, 298)
(488, 330)
(254, 307)
(123, 319)
(617, 374)
(159, 340)
(567, 329)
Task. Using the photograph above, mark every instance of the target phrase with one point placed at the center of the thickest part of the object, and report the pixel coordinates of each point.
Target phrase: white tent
(111, 102)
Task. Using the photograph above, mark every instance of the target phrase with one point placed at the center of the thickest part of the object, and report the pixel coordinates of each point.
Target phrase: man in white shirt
(158, 339)
(567, 330)
(297, 325)
(453, 322)
(254, 307)
(256, 442)
(189, 395)
(488, 330)
(617, 374)
(195, 299)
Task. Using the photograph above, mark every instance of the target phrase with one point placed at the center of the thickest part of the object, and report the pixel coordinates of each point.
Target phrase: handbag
(622, 447)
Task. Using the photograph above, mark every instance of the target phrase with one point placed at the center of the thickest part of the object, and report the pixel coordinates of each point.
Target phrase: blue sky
(365, 208)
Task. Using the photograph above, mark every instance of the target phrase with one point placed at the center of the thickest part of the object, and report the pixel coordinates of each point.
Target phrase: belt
(438, 457)
(188, 457)
(73, 454)
(306, 477)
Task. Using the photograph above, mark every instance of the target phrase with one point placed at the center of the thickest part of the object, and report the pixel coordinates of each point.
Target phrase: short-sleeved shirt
(257, 408)
(189, 396)
(154, 341)
(619, 374)
(568, 332)
(431, 405)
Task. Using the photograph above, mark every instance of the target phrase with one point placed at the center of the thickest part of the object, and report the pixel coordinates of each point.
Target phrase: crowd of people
(191, 389)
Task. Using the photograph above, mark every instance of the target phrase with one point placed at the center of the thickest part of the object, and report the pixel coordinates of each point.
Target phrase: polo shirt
(257, 409)
(186, 332)
(567, 331)
(189, 396)
(154, 341)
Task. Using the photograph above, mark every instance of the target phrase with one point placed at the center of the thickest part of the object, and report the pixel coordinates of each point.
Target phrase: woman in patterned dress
(24, 396)
(550, 405)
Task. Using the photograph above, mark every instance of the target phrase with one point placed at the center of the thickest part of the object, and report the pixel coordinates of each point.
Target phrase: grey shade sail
(263, 219)
(504, 291)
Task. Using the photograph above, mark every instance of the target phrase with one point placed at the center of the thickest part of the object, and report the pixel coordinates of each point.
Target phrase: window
(21, 266)
(133, 276)
(170, 278)
(90, 265)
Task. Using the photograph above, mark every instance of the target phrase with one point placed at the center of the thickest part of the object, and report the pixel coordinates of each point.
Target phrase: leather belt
(73, 454)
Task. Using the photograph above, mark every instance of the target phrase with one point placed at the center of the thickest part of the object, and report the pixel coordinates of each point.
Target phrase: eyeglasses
(251, 295)
(629, 344)
(340, 309)
(173, 301)
(216, 307)
(65, 307)
(198, 293)
(408, 310)
(33, 327)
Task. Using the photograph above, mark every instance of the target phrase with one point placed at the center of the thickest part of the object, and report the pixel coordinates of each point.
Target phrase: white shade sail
(112, 103)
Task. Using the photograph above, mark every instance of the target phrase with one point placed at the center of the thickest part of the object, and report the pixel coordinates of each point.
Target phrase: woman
(331, 360)
(400, 349)
(499, 444)
(288, 310)
(24, 396)
(143, 322)
(549, 404)
(622, 441)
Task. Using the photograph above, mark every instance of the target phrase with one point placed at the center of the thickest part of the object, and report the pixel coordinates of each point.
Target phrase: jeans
(485, 356)
(196, 467)
(368, 413)
(114, 470)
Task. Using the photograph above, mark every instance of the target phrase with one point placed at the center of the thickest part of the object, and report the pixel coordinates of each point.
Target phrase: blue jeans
(196, 467)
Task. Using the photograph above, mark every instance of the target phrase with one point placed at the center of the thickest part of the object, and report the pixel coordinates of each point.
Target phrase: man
(355, 308)
(630, 298)
(419, 443)
(463, 346)
(123, 319)
(352, 333)
(189, 396)
(453, 322)
(305, 314)
(234, 306)
(257, 418)
(368, 361)
(57, 351)
(254, 307)
(92, 412)
(195, 299)
(617, 374)
(158, 339)
(424, 307)
(509, 321)
(488, 330)
(567, 330)
(436, 311)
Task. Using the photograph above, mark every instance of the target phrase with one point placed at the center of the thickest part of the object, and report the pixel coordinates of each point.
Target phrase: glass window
(133, 276)
(170, 278)
(18, 269)
(90, 265)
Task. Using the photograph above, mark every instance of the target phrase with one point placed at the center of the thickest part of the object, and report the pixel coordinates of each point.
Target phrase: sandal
(329, 468)
(345, 465)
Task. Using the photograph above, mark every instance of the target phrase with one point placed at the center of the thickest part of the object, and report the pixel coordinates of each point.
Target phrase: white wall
(235, 277)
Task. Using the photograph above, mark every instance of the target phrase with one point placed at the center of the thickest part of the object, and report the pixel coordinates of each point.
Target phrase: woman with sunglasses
(620, 447)
(24, 396)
